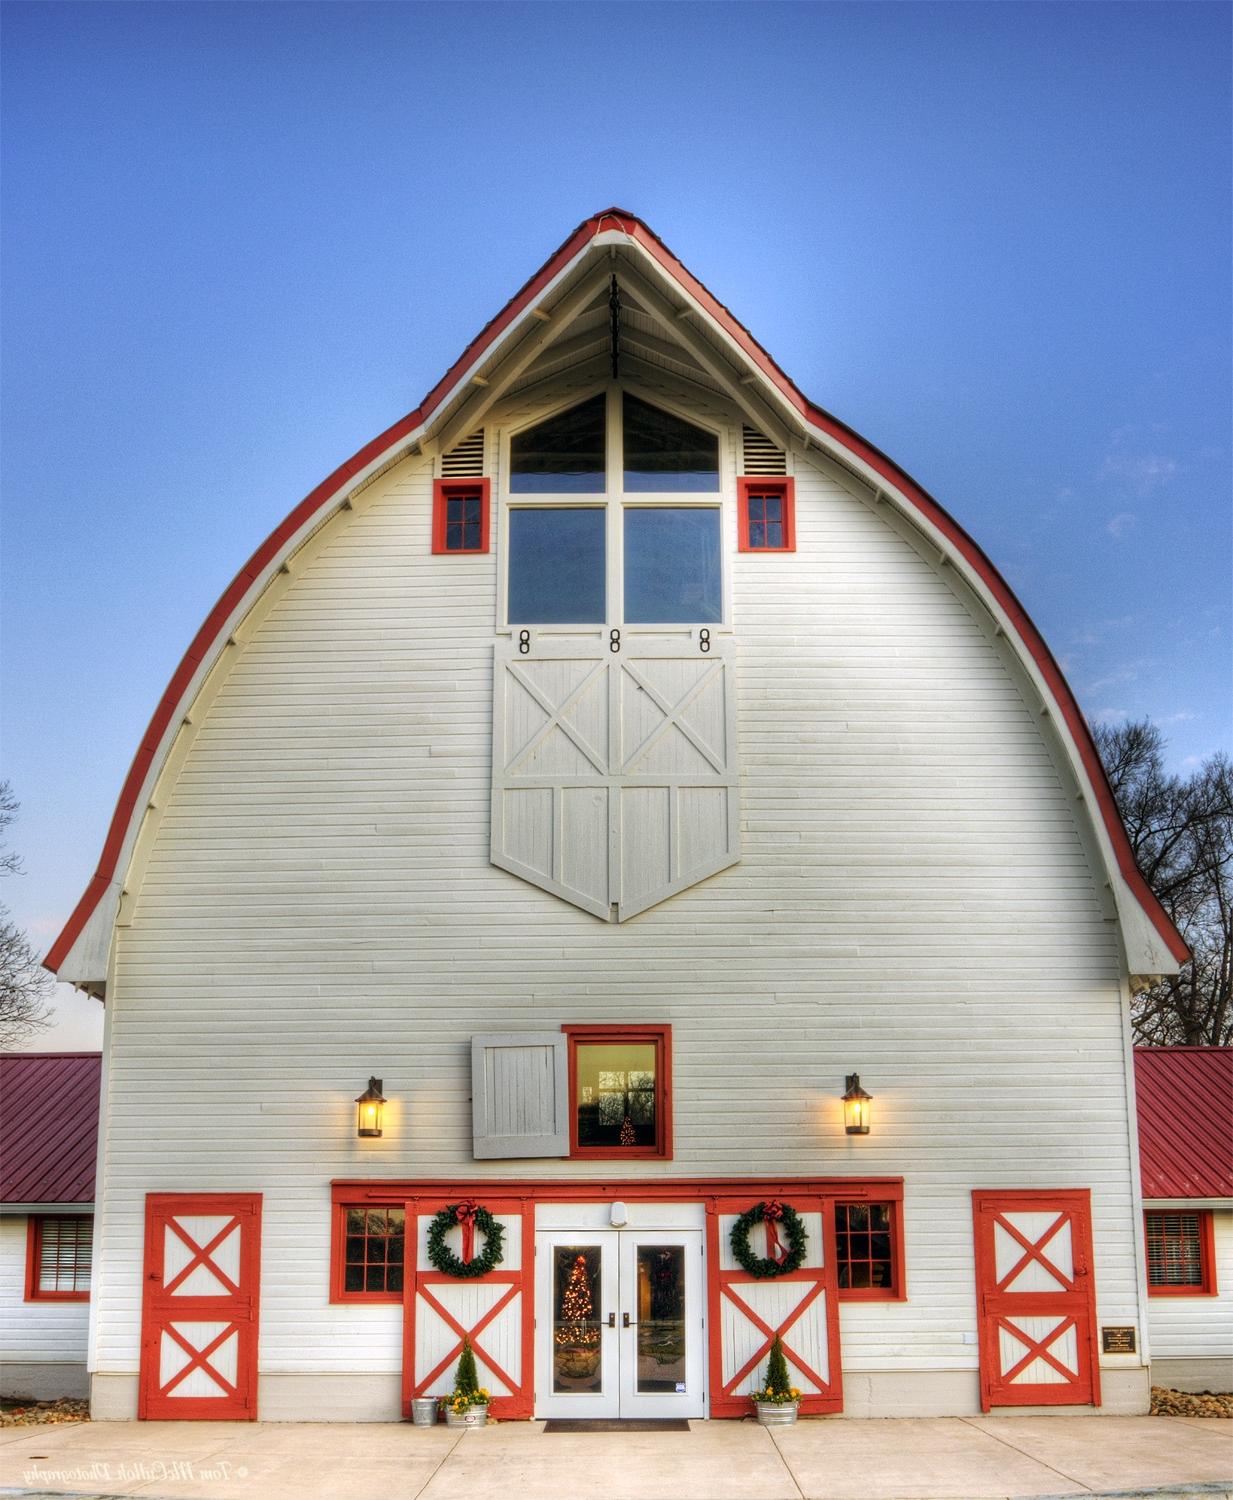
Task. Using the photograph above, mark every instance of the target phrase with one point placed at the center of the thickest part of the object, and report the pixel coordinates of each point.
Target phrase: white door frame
(617, 1316)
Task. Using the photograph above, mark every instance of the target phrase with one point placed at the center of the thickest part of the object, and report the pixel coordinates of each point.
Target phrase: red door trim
(1075, 1305)
(238, 1308)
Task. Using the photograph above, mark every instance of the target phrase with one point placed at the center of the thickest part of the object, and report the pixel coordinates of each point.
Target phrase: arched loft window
(614, 518)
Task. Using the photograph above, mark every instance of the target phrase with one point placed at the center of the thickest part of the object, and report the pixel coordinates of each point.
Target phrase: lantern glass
(370, 1108)
(857, 1107)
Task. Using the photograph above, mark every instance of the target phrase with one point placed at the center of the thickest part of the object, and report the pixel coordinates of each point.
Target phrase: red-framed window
(766, 514)
(620, 1091)
(58, 1254)
(367, 1253)
(1181, 1258)
(460, 515)
(869, 1251)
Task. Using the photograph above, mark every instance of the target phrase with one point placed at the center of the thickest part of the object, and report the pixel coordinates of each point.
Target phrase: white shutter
(615, 776)
(519, 1095)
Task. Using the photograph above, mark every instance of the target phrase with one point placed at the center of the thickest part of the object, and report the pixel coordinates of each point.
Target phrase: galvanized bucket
(424, 1411)
(474, 1416)
(776, 1413)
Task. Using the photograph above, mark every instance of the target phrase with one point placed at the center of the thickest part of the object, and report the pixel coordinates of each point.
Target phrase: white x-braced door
(614, 772)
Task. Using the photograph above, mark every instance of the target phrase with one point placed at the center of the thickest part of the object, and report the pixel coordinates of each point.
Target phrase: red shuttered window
(766, 515)
(1180, 1254)
(58, 1254)
(460, 515)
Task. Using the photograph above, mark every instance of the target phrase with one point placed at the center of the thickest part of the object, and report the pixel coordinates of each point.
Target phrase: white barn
(611, 759)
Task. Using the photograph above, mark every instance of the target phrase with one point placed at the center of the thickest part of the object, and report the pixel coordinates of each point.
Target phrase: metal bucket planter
(424, 1411)
(474, 1416)
(776, 1413)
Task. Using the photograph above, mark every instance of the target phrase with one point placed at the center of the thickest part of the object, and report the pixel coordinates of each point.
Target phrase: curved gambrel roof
(1152, 943)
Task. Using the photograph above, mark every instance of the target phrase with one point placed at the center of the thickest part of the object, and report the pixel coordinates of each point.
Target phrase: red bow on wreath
(465, 1214)
(775, 1250)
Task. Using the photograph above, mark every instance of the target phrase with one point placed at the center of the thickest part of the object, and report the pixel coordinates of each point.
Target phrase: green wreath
(793, 1231)
(444, 1259)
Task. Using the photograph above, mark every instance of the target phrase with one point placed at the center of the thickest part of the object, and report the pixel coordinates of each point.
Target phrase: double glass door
(618, 1324)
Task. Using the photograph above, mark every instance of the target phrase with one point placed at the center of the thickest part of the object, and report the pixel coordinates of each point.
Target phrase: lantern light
(370, 1105)
(857, 1105)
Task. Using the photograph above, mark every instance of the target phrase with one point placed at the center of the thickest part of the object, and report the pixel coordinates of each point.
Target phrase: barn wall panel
(34, 1332)
(914, 900)
(1199, 1327)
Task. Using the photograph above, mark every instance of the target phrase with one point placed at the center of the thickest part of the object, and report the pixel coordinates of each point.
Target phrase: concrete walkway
(939, 1459)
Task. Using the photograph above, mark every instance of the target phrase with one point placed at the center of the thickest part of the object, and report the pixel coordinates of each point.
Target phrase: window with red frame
(619, 1091)
(868, 1251)
(460, 515)
(58, 1255)
(369, 1254)
(766, 512)
(1180, 1261)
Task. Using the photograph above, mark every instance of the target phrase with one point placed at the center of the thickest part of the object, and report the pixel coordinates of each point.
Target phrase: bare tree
(1181, 831)
(24, 984)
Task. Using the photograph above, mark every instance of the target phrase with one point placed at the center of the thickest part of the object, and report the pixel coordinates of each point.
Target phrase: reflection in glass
(576, 1325)
(672, 574)
(663, 453)
(616, 1094)
(661, 1319)
(562, 456)
(556, 566)
(863, 1244)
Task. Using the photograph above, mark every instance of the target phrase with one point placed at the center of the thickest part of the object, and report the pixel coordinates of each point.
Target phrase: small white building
(48, 1146)
(1185, 1104)
(618, 762)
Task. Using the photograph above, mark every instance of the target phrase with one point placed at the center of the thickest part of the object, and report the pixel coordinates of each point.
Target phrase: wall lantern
(857, 1105)
(370, 1104)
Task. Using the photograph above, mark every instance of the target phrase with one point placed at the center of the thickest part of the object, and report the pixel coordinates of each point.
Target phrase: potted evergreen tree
(778, 1402)
(468, 1406)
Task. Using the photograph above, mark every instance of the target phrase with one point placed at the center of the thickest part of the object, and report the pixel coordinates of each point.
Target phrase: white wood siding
(34, 1332)
(313, 902)
(1199, 1327)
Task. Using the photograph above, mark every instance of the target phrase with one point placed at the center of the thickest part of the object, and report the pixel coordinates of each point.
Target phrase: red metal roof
(1185, 1099)
(48, 1126)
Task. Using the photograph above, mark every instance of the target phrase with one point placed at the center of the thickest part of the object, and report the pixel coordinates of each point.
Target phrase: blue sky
(241, 239)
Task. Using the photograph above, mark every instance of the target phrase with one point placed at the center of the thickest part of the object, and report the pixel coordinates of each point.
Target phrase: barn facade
(608, 770)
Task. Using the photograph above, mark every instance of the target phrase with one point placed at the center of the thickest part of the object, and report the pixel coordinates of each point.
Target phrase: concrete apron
(949, 1458)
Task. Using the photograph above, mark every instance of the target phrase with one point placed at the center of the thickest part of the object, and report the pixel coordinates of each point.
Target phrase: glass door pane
(577, 1332)
(661, 1319)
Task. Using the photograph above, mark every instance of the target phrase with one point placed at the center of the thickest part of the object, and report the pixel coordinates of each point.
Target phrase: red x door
(746, 1314)
(1036, 1299)
(200, 1307)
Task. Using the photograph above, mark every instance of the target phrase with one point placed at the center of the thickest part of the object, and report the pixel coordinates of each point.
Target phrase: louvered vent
(761, 455)
(467, 460)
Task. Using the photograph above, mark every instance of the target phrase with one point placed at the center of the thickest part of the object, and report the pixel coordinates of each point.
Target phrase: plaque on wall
(1117, 1340)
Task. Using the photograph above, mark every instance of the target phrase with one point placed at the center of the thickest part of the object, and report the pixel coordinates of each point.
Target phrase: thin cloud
(1123, 522)
(1109, 716)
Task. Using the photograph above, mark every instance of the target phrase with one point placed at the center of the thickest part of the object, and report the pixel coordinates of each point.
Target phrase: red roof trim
(625, 223)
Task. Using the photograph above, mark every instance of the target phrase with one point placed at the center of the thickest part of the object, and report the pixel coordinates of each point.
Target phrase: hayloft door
(619, 1324)
(1036, 1299)
(200, 1307)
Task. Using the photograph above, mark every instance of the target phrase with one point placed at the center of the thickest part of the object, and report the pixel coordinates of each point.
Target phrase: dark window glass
(374, 1250)
(863, 1245)
(765, 521)
(562, 456)
(65, 1247)
(556, 567)
(615, 1084)
(664, 453)
(462, 523)
(672, 574)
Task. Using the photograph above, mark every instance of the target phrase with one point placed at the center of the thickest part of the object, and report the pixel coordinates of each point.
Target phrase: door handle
(625, 1323)
(612, 1320)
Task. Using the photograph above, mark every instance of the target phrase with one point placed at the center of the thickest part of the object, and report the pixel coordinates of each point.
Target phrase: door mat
(636, 1424)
